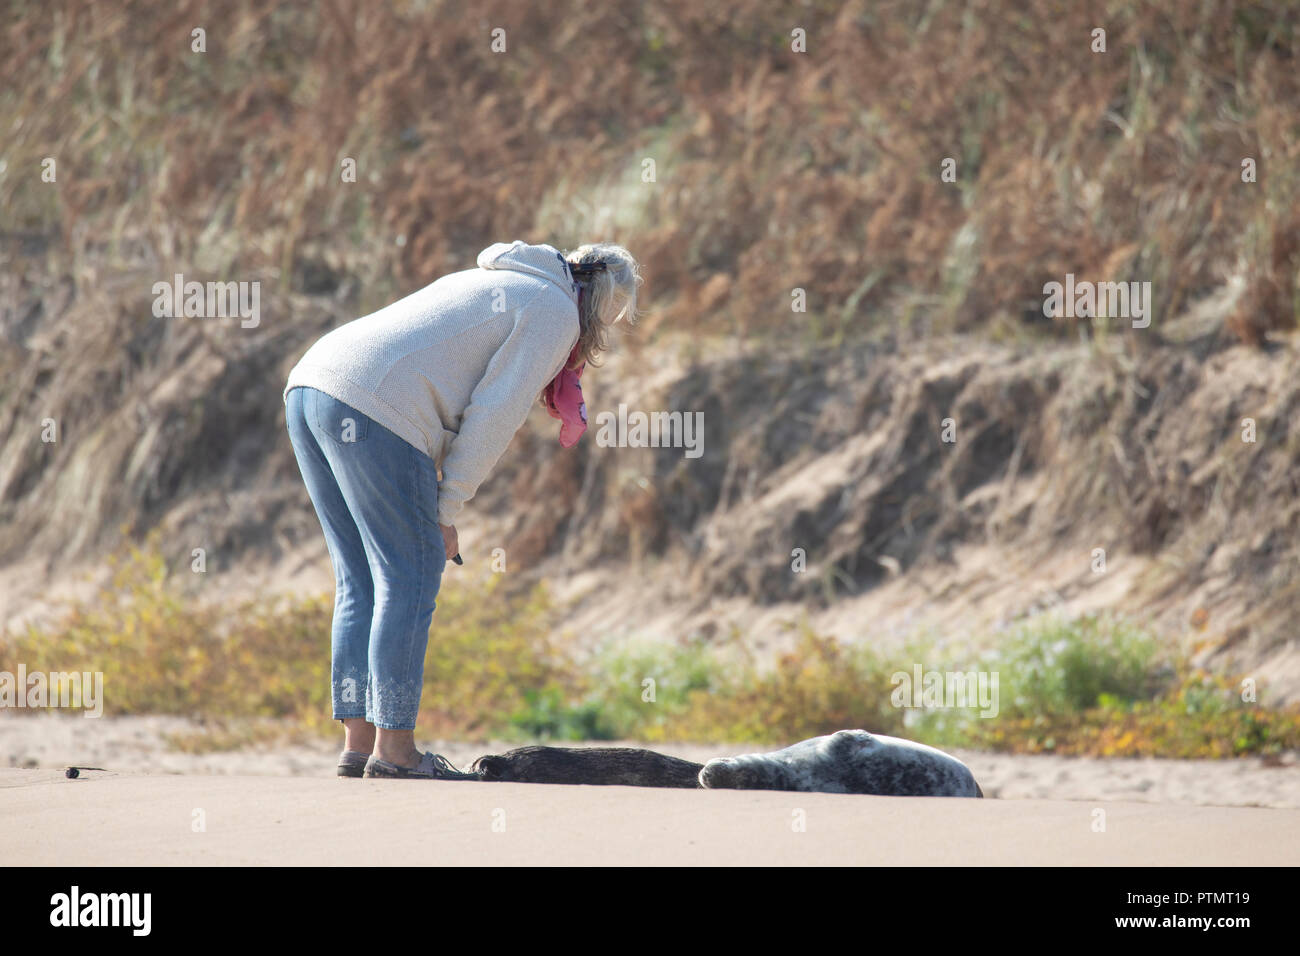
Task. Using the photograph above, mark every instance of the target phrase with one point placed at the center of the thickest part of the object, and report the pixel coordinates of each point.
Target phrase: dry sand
(130, 819)
(281, 805)
(140, 745)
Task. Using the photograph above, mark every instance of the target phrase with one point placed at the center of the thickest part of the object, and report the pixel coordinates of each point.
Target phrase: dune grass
(772, 168)
(495, 669)
(773, 171)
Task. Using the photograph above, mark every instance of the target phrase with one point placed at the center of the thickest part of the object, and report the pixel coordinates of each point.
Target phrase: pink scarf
(563, 400)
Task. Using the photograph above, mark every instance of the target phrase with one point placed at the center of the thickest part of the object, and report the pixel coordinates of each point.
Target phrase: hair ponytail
(607, 278)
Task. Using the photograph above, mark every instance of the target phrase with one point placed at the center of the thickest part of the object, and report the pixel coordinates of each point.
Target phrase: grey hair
(607, 296)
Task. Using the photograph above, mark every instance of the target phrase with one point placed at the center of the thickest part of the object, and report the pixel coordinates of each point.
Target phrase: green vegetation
(163, 652)
(1101, 686)
(1091, 685)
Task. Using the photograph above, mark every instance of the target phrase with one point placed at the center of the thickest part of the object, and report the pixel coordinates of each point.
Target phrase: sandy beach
(139, 819)
(271, 805)
(143, 745)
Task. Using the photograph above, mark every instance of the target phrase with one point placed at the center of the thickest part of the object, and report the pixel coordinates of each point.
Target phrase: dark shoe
(432, 767)
(352, 763)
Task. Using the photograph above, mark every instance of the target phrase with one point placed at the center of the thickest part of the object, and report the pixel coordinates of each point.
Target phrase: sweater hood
(543, 261)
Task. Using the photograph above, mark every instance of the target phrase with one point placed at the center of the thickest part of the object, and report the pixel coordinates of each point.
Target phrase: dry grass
(774, 171)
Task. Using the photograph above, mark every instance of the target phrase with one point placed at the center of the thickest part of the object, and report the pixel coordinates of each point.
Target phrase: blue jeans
(377, 500)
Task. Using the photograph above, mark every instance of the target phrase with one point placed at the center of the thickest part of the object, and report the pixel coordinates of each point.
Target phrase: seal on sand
(617, 766)
(848, 761)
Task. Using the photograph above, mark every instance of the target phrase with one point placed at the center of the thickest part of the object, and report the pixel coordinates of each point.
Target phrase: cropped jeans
(377, 500)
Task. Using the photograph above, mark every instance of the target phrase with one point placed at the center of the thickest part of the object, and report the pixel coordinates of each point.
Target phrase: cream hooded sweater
(454, 368)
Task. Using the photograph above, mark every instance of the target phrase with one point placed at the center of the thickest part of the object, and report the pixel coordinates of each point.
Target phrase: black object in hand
(457, 559)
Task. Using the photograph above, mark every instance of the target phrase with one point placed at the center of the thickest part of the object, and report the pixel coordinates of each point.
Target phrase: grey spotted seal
(848, 761)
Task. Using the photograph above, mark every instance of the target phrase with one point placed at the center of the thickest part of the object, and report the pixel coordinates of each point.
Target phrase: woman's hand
(449, 540)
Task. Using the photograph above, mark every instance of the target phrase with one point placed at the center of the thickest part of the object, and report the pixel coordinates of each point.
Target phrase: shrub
(1091, 685)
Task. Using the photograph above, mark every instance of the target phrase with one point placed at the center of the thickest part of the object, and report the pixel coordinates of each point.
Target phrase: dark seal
(602, 766)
